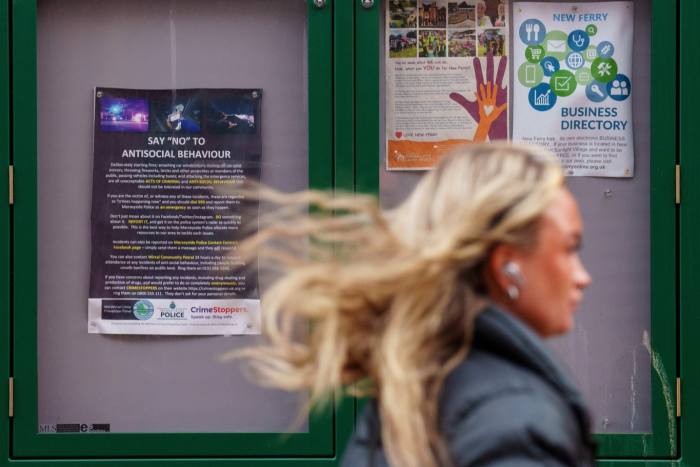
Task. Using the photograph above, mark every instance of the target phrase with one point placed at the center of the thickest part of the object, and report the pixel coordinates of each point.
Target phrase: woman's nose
(583, 278)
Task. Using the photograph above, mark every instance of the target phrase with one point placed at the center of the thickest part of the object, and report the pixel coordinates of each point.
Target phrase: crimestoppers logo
(143, 310)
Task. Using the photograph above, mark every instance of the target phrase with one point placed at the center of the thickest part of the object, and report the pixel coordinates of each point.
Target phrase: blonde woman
(436, 310)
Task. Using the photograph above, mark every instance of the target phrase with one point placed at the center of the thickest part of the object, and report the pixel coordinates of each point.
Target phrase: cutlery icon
(528, 30)
(536, 30)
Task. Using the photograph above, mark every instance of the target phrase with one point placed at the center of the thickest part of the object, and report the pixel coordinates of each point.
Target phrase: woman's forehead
(563, 214)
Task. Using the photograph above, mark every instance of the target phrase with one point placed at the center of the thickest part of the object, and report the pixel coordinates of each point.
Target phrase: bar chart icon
(542, 99)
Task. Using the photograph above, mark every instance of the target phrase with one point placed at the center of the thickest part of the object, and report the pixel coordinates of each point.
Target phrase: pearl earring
(513, 292)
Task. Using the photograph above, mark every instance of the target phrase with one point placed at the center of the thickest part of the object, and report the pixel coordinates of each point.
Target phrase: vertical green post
(689, 258)
(320, 94)
(344, 95)
(344, 154)
(24, 149)
(367, 97)
(5, 214)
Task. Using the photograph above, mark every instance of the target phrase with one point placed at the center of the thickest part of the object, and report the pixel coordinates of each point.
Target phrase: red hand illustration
(499, 128)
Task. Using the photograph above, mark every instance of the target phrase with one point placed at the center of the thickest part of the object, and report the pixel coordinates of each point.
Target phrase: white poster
(572, 84)
(446, 78)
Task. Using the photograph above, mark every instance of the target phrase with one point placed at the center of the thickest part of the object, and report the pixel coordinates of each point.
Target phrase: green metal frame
(344, 95)
(5, 335)
(328, 429)
(355, 142)
(662, 442)
(368, 140)
(344, 137)
(689, 257)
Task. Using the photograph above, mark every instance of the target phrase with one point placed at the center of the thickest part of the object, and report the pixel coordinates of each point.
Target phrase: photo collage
(445, 28)
(183, 112)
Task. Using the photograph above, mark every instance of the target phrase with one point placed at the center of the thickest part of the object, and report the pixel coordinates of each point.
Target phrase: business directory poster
(573, 84)
(166, 217)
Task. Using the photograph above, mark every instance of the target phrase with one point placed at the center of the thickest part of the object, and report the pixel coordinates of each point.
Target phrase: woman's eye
(575, 247)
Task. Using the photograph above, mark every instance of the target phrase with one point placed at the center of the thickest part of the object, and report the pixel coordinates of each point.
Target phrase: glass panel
(608, 350)
(152, 383)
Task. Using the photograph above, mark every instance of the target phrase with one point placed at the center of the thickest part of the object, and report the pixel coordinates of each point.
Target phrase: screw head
(367, 3)
(320, 3)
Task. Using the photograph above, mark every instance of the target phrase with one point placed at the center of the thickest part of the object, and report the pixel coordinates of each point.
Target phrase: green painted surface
(25, 222)
(638, 463)
(344, 136)
(204, 461)
(4, 232)
(367, 115)
(343, 96)
(689, 256)
(320, 96)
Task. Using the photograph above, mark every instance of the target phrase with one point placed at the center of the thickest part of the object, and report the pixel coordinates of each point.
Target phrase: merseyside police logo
(143, 310)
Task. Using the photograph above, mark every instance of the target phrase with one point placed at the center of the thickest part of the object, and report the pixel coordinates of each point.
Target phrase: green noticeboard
(64, 378)
(321, 67)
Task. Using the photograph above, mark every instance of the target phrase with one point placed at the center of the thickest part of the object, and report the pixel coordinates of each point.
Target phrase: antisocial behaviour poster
(572, 89)
(165, 214)
(446, 78)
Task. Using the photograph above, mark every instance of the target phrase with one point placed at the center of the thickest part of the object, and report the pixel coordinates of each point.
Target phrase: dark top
(507, 404)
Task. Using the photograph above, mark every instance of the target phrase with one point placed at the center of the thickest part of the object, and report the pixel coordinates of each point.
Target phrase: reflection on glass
(608, 351)
(153, 383)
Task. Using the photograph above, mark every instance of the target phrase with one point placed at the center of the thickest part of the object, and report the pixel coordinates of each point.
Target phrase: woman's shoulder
(507, 403)
(516, 426)
(489, 389)
(510, 394)
(484, 376)
(506, 359)
(495, 412)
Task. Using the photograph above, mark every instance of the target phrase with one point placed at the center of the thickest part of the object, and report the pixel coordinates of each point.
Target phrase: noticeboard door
(622, 352)
(84, 73)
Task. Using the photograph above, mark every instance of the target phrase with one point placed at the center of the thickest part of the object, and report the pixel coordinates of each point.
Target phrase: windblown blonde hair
(392, 295)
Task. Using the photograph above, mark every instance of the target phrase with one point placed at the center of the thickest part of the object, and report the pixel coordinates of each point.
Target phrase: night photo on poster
(166, 217)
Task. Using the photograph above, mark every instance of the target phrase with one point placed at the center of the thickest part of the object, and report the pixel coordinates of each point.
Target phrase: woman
(501, 18)
(483, 20)
(436, 309)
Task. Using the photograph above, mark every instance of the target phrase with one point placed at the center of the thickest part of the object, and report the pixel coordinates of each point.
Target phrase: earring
(512, 270)
(513, 292)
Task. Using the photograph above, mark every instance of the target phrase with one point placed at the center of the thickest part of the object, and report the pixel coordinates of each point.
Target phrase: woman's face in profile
(553, 276)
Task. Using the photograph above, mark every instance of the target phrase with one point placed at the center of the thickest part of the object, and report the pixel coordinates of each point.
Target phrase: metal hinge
(678, 184)
(11, 184)
(678, 397)
(11, 398)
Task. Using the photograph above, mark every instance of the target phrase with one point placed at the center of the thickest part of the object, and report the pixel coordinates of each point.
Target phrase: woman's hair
(391, 296)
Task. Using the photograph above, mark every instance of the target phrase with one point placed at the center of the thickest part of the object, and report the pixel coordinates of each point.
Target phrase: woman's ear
(498, 274)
